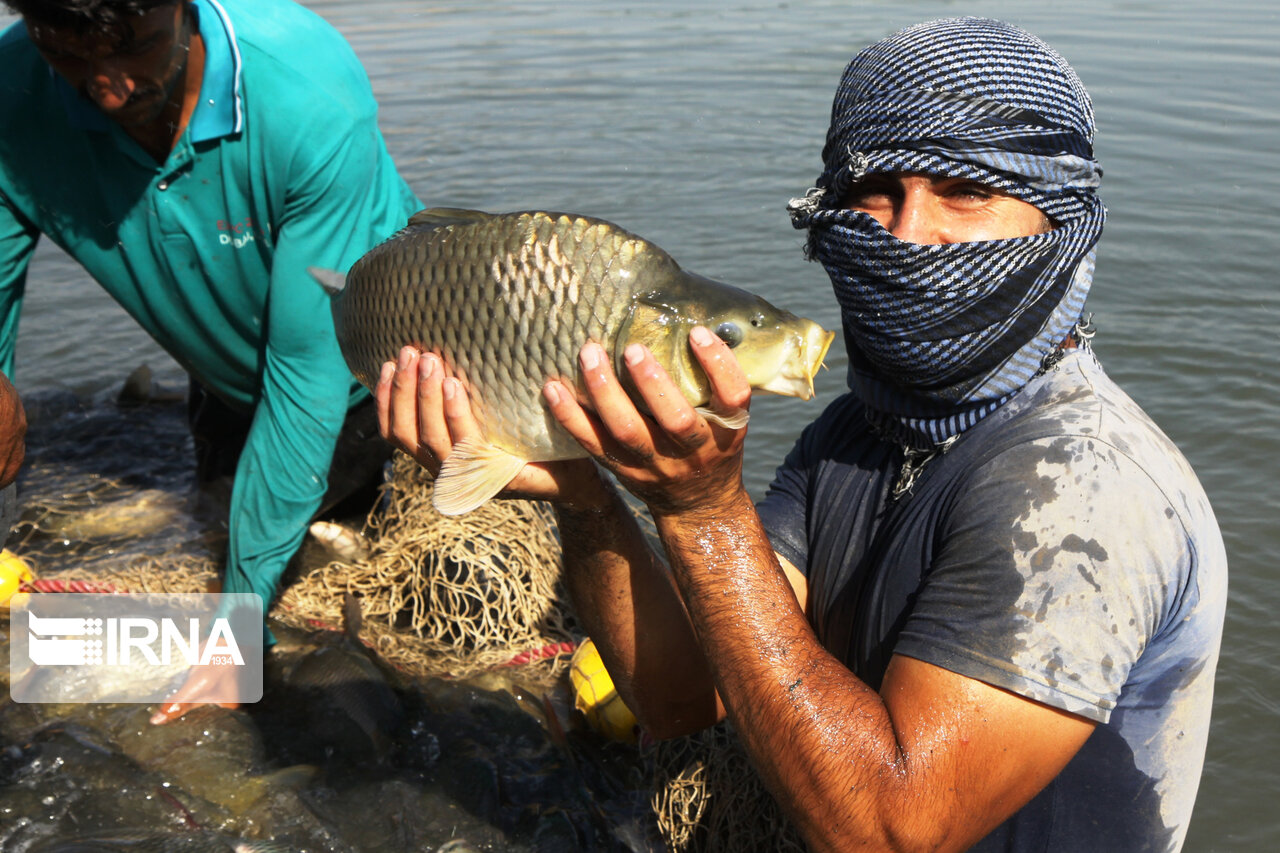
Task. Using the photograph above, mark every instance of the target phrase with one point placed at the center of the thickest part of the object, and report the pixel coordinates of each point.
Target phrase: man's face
(919, 208)
(131, 79)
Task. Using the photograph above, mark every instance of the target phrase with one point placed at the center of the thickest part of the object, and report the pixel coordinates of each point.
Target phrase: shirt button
(162, 186)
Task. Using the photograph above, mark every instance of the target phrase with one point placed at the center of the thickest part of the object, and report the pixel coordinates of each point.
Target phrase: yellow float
(595, 696)
(14, 572)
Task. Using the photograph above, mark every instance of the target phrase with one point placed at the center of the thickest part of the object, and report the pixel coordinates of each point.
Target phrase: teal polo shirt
(282, 167)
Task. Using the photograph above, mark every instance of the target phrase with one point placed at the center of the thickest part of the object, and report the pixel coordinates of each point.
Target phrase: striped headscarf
(938, 336)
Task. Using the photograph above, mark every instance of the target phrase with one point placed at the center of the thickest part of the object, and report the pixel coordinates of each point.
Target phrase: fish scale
(508, 300)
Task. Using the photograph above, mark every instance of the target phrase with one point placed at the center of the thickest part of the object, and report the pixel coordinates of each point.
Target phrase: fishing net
(441, 596)
(707, 798)
(113, 537)
(448, 595)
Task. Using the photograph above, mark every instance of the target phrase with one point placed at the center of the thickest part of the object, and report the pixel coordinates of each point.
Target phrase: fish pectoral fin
(474, 472)
(331, 280)
(438, 217)
(736, 419)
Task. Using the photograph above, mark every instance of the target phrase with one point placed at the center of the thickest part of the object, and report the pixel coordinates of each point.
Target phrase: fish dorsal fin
(474, 472)
(331, 280)
(439, 217)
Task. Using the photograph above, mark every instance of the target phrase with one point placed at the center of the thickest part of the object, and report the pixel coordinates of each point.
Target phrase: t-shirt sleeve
(17, 242)
(782, 511)
(1057, 566)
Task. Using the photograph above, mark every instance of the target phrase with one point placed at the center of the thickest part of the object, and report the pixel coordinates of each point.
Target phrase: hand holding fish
(201, 683)
(425, 414)
(667, 459)
(505, 303)
(674, 458)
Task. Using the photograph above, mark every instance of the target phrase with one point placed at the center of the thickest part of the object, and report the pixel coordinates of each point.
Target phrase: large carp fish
(507, 301)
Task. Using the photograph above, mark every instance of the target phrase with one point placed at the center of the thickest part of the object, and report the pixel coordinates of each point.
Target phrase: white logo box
(81, 647)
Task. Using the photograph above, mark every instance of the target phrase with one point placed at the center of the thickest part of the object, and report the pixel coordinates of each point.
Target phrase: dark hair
(87, 17)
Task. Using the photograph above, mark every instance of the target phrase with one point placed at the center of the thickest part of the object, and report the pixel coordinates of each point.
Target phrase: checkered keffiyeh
(940, 335)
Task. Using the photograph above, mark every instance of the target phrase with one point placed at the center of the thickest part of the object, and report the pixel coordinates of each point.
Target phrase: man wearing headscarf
(981, 604)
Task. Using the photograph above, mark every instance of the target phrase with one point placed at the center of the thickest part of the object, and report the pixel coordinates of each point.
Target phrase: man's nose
(916, 220)
(109, 87)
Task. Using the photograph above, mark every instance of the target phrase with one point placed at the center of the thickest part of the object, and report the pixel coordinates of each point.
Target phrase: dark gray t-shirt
(1062, 549)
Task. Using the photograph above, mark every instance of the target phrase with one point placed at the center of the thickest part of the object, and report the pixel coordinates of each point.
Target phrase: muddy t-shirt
(1062, 549)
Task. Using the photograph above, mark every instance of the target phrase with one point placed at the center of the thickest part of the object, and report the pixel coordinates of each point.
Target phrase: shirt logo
(237, 234)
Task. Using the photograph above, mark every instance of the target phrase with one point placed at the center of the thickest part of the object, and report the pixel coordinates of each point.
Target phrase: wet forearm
(617, 583)
(821, 739)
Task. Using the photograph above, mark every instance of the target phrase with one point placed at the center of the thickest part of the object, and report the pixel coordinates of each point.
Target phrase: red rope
(548, 651)
(63, 585)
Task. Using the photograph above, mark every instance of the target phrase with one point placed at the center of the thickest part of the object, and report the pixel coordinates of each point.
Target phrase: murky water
(692, 123)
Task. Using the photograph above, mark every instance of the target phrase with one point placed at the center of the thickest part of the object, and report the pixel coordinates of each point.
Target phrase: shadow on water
(343, 753)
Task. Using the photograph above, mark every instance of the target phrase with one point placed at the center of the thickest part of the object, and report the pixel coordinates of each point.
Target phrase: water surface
(693, 123)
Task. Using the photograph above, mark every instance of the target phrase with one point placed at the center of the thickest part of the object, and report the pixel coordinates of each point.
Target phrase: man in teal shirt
(196, 156)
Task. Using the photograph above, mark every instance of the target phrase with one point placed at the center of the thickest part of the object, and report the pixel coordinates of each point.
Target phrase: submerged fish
(347, 700)
(508, 300)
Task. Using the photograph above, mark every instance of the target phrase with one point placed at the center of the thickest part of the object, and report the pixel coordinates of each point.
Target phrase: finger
(615, 410)
(172, 711)
(382, 399)
(432, 431)
(403, 406)
(457, 411)
(569, 413)
(729, 387)
(670, 410)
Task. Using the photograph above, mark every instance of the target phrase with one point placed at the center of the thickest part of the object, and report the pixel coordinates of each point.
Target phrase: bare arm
(13, 431)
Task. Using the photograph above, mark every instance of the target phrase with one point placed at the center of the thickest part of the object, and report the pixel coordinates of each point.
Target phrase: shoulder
(293, 60)
(14, 42)
(1077, 423)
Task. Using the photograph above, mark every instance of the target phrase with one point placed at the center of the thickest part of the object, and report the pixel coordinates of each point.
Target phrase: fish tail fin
(331, 280)
(473, 473)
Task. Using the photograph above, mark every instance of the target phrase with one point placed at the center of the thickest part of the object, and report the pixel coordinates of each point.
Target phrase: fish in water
(508, 300)
(350, 705)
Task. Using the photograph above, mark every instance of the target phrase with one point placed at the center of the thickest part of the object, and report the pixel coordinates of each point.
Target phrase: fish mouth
(803, 360)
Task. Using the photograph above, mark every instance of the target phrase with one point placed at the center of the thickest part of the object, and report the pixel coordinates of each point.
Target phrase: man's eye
(973, 191)
(865, 192)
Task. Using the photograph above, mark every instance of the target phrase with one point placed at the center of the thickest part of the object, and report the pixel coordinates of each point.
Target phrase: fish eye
(730, 334)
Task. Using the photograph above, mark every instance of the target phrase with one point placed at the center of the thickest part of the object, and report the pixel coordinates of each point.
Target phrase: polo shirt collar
(220, 111)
